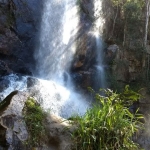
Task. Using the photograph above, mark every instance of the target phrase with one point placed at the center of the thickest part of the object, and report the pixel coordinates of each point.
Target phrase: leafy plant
(34, 116)
(108, 125)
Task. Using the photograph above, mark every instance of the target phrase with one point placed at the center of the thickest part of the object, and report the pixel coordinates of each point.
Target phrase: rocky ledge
(14, 132)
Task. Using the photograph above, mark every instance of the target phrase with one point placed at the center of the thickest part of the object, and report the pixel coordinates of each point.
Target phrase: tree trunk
(147, 14)
(125, 29)
(148, 67)
(115, 21)
(147, 4)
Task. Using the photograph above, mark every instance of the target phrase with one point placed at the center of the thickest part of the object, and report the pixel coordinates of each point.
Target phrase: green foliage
(108, 125)
(133, 16)
(129, 22)
(133, 9)
(34, 115)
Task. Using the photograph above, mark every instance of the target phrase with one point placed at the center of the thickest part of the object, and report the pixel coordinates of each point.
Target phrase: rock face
(4, 70)
(12, 126)
(125, 66)
(85, 57)
(19, 22)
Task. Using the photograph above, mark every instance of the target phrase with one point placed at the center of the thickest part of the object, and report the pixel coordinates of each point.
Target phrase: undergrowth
(108, 125)
(34, 117)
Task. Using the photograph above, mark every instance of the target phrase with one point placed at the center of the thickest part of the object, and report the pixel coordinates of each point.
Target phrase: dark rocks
(124, 65)
(19, 23)
(20, 67)
(112, 50)
(3, 1)
(85, 53)
(4, 83)
(87, 7)
(85, 57)
(31, 81)
(83, 79)
(5, 103)
(3, 142)
(4, 70)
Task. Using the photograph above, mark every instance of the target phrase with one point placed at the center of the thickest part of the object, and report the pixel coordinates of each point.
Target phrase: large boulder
(11, 121)
(14, 133)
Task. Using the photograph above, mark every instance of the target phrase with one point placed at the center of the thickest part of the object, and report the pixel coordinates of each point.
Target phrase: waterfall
(98, 32)
(54, 54)
(56, 44)
(100, 74)
(60, 25)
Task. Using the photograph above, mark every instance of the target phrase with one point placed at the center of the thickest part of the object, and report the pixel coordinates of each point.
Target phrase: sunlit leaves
(109, 125)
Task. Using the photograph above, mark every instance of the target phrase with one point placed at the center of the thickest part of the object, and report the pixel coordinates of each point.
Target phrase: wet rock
(4, 83)
(78, 64)
(4, 51)
(83, 79)
(32, 82)
(112, 51)
(4, 70)
(7, 41)
(2, 28)
(3, 1)
(86, 52)
(87, 7)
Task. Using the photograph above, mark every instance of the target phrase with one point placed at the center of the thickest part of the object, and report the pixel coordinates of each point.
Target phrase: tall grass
(108, 125)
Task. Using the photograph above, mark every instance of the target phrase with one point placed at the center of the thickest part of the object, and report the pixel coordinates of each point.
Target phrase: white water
(100, 75)
(60, 100)
(98, 32)
(52, 96)
(57, 47)
(54, 55)
(15, 83)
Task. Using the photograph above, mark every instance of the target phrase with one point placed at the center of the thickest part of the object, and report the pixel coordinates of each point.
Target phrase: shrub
(108, 125)
(34, 116)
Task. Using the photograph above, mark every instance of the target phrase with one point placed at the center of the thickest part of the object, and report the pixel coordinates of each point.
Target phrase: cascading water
(54, 56)
(98, 28)
(100, 74)
(56, 48)
(14, 82)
